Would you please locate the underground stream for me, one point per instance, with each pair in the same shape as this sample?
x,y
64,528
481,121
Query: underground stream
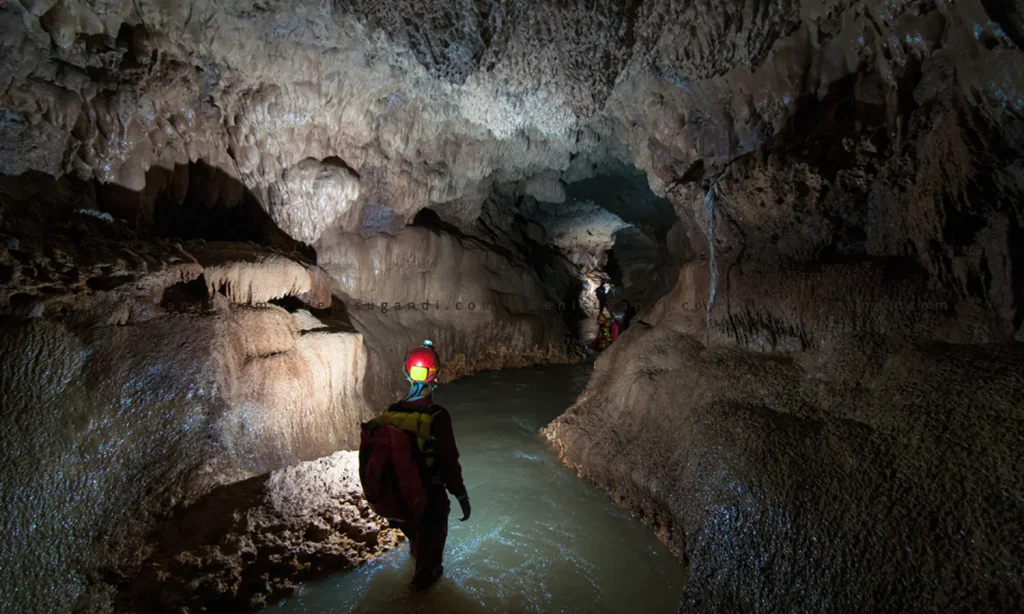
x,y
540,539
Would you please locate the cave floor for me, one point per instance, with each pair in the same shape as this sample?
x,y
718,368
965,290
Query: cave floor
x,y
540,539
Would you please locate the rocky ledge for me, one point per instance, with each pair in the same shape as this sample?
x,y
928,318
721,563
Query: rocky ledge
x,y
249,543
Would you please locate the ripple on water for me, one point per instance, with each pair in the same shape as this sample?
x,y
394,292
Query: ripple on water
x,y
540,539
530,457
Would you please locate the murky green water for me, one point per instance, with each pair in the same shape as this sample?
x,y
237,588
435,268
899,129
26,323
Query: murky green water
x,y
540,539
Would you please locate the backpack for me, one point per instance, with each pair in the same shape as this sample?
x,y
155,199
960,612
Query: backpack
x,y
394,459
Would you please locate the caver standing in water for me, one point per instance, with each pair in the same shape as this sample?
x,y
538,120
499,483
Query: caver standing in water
x,y
417,468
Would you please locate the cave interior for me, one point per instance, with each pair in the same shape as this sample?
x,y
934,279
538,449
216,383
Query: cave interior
x,y
225,223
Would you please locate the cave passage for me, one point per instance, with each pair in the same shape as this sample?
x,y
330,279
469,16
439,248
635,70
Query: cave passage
x,y
539,540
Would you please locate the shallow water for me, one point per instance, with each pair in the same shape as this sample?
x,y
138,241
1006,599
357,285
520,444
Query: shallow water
x,y
540,539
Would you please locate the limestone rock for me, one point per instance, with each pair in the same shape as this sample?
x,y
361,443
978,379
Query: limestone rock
x,y
856,473
545,189
311,197
251,542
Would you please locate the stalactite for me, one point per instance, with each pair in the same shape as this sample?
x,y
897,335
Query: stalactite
x,y
257,283
709,208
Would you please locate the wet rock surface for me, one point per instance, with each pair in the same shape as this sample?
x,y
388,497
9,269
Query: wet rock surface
x,y
244,545
876,474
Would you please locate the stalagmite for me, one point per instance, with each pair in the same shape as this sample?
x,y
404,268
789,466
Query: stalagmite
x,y
709,211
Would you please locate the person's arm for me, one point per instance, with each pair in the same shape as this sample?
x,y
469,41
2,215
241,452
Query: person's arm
x,y
448,460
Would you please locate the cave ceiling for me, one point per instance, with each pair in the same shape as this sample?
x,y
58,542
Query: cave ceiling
x,y
333,113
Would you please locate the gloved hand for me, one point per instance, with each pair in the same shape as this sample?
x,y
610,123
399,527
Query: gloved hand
x,y
464,504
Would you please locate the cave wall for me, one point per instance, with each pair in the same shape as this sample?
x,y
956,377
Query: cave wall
x,y
864,134
877,474
145,375
138,374
117,424
482,306
822,415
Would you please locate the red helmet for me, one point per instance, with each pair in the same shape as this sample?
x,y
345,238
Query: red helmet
x,y
422,363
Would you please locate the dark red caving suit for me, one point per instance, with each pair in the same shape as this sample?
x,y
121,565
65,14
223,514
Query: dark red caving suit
x,y
428,535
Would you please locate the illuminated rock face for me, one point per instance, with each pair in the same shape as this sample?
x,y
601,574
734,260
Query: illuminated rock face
x,y
140,373
828,130
250,542
147,379
836,191
481,309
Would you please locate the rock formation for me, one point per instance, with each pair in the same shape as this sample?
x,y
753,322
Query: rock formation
x,y
810,418
145,375
201,200
875,473
472,300
246,543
